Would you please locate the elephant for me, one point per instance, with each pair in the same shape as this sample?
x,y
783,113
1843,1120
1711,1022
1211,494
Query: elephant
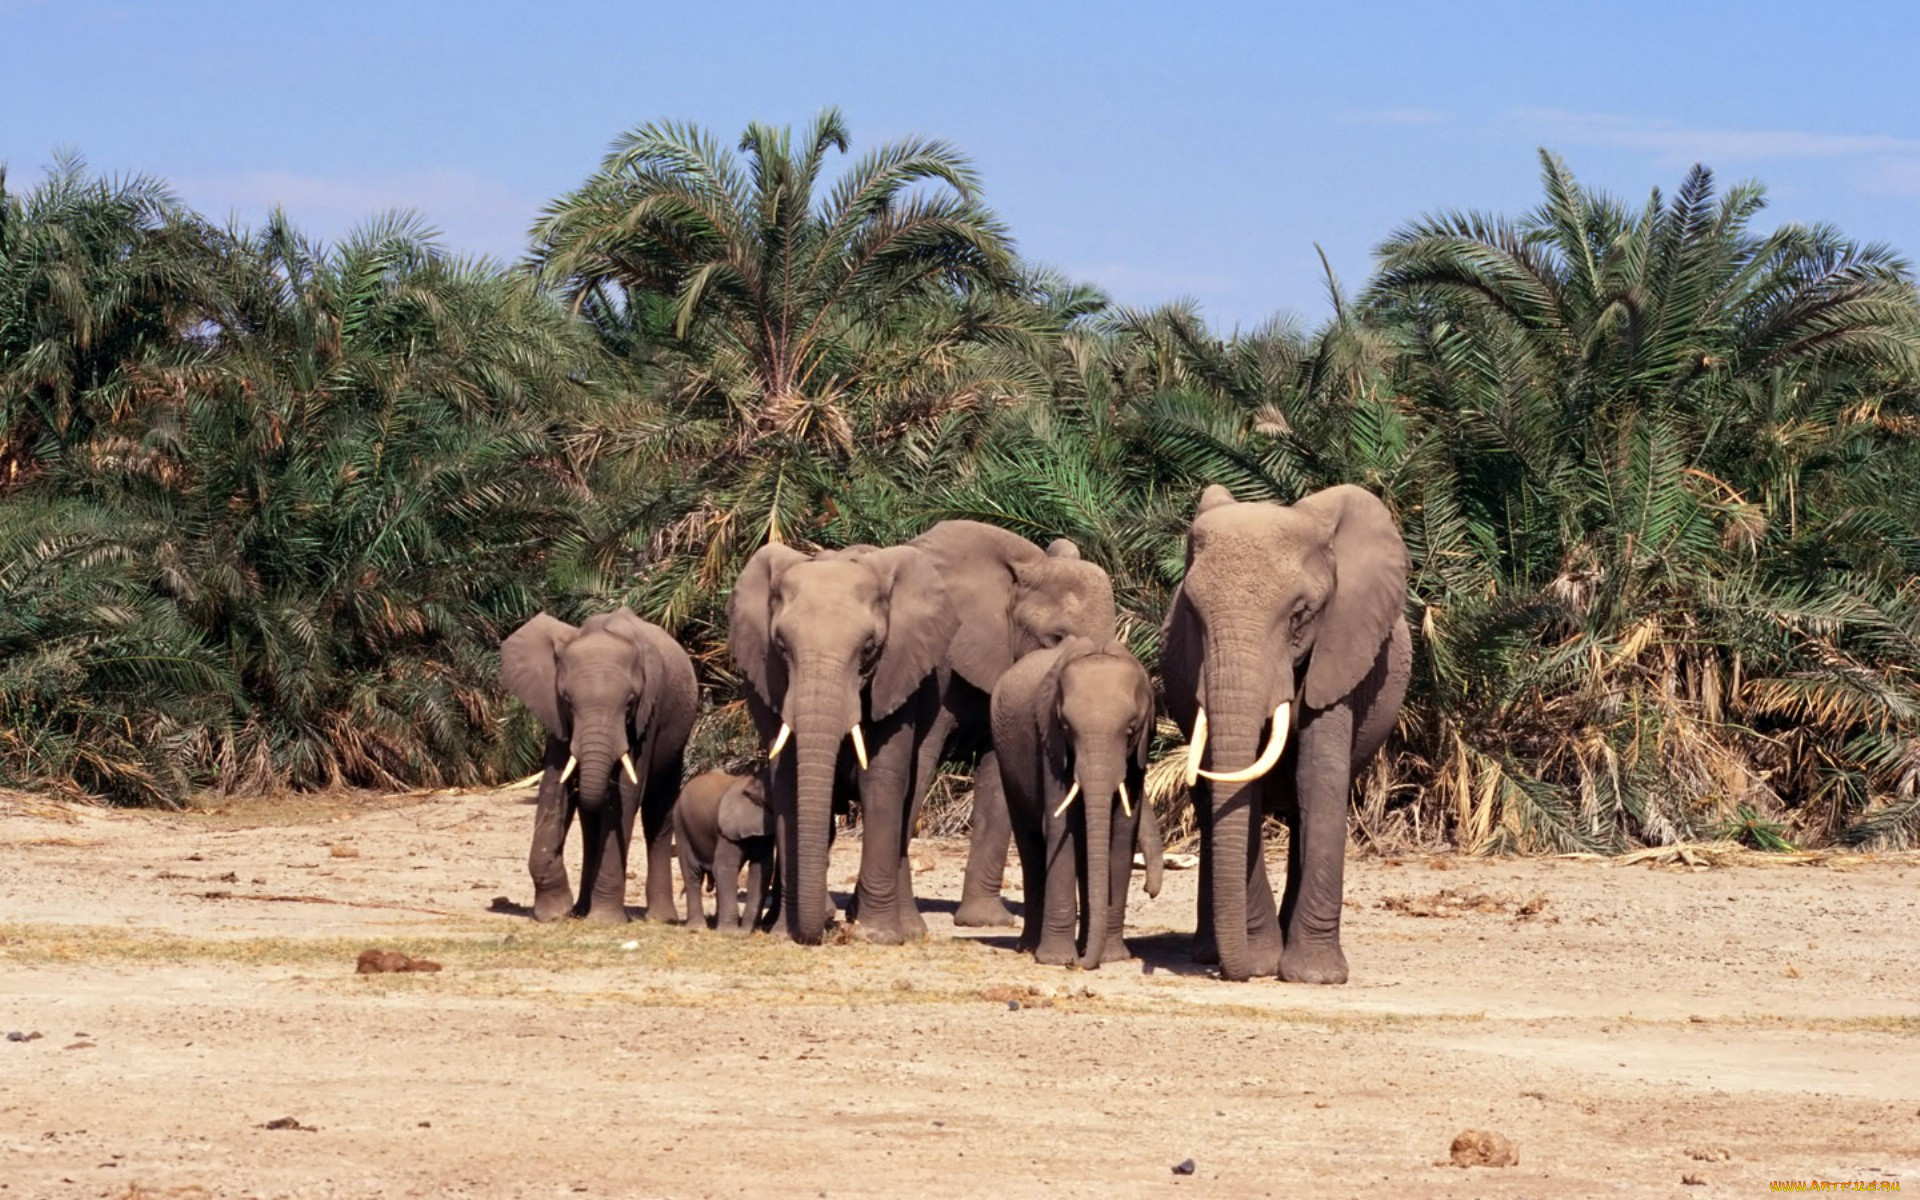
x,y
1287,616
618,697
1011,598
1073,722
842,651
721,822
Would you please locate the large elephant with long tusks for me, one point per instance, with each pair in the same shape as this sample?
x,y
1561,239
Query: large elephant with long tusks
x,y
1286,657
842,652
618,697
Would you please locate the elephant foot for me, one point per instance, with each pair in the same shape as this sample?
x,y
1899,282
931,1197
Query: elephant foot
x,y
552,906
983,912
737,931
607,914
664,914
878,935
1056,954
1116,951
1318,962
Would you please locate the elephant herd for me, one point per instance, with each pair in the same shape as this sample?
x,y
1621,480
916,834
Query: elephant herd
x,y
1285,656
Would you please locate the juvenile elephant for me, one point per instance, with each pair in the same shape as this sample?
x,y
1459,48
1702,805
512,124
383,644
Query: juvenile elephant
x,y
720,822
1073,723
842,653
618,698
1288,617
1010,598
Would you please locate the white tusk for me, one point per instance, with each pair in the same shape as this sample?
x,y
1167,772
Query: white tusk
x,y
626,760
567,772
780,742
1071,793
859,746
1275,744
1197,746
1126,803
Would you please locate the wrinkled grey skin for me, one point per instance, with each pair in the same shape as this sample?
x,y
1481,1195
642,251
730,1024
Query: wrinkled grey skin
x,y
721,822
1303,603
1081,711
615,685
1011,598
826,640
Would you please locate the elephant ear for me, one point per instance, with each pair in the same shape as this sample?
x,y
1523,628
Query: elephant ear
x,y
1143,740
1063,548
920,625
741,816
977,562
1050,729
1369,593
750,622
1180,652
528,668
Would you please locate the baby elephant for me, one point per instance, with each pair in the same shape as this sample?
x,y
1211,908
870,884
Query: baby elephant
x,y
1071,725
721,821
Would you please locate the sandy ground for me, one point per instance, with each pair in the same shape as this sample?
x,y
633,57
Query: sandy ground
x,y
1627,1027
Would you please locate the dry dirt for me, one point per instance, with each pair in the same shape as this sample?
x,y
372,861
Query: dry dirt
x,y
204,1032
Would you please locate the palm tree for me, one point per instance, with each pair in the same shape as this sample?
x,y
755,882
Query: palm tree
x,y
1618,643
792,334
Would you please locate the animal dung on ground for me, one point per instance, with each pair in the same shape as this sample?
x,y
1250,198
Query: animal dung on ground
x,y
1482,1148
1183,1167
376,962
288,1123
1452,902
17,1036
342,850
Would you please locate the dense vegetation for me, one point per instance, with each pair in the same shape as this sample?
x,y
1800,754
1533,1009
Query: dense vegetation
x,y
266,507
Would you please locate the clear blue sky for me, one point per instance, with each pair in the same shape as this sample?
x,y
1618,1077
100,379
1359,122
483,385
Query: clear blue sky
x,y
1159,150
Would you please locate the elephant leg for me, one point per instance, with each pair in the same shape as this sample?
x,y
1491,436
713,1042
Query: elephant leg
x,y
887,913
1205,948
690,886
546,860
1119,880
1316,855
1032,844
992,831
726,886
1263,920
757,873
655,802
606,896
1061,907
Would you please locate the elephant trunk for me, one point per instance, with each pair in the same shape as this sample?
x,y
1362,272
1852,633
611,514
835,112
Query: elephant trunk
x,y
1238,697
822,717
598,748
1099,779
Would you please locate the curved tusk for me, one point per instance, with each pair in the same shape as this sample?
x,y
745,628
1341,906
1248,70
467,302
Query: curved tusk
x,y
780,742
626,760
859,746
1071,793
1126,802
1275,744
567,772
1197,746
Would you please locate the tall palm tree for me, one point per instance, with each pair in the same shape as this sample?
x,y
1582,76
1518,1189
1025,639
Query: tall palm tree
x,y
792,332
1617,644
